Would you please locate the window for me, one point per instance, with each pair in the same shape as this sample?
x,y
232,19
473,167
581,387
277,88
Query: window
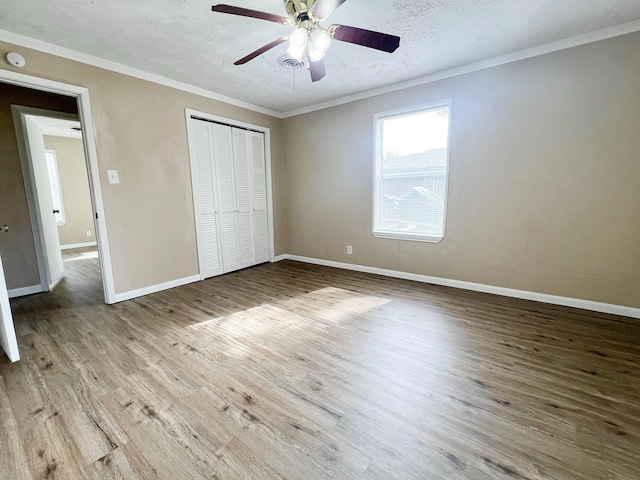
x,y
410,174
56,190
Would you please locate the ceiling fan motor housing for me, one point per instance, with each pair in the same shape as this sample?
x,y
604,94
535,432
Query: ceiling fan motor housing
x,y
297,9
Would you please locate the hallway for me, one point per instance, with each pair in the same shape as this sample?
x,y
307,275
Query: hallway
x,y
81,286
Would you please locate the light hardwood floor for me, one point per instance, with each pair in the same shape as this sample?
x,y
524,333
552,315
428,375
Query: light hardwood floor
x,y
295,371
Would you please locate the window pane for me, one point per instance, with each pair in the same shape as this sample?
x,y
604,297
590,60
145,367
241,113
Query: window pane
x,y
412,173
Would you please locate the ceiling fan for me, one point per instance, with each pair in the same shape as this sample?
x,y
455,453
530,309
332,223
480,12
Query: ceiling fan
x,y
310,41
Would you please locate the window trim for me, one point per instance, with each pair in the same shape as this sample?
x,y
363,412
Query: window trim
x,y
62,214
377,164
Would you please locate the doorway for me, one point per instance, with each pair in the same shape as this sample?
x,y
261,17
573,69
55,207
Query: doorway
x,y
58,192
21,231
80,97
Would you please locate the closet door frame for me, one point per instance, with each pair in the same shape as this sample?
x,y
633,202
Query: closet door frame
x,y
189,114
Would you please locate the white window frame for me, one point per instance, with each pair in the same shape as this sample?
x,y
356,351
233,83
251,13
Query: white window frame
x,y
378,119
56,178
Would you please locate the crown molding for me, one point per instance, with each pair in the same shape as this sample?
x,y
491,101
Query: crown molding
x,y
556,46
598,35
41,46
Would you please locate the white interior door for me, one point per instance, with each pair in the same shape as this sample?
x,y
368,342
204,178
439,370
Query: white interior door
x,y
44,201
8,339
205,201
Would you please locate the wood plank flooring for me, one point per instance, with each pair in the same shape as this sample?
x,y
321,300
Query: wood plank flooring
x,y
294,371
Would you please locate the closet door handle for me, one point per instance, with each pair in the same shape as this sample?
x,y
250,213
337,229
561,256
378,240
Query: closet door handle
x,y
56,211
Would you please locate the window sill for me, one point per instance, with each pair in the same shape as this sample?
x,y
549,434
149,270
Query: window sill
x,y
409,237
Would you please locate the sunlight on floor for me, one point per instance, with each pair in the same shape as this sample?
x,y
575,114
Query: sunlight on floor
x,y
83,256
326,308
335,305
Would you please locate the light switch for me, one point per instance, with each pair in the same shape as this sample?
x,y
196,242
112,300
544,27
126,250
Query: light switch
x,y
113,176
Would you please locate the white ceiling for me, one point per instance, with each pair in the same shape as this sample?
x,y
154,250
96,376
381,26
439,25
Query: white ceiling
x,y
184,41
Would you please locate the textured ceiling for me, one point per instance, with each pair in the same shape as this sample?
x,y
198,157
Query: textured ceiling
x,y
183,40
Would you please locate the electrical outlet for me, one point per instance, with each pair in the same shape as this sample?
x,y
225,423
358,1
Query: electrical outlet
x,y
88,233
349,250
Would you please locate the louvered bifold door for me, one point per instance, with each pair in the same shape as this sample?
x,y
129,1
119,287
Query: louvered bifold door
x,y
244,217
259,197
207,219
223,152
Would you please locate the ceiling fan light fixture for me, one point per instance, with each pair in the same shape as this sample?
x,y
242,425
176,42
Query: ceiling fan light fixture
x,y
314,54
296,51
299,37
320,40
298,42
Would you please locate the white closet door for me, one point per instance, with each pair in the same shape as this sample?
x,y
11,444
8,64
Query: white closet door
x,y
206,210
244,217
223,152
230,194
259,197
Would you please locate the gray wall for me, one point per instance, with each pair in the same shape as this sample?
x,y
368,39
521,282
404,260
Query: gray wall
x,y
544,187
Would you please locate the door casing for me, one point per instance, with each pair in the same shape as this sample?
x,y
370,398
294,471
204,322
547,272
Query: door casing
x,y
89,141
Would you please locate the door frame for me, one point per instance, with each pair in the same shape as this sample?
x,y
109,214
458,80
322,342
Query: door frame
x,y
81,94
266,131
19,113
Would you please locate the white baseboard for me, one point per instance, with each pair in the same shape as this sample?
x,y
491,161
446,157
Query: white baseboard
x,y
121,297
478,287
21,292
280,257
77,245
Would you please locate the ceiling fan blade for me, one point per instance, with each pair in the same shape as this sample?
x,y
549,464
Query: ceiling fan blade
x,y
324,8
260,51
366,38
245,12
317,70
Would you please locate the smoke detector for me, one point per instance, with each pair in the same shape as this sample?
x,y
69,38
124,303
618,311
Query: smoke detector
x,y
16,59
